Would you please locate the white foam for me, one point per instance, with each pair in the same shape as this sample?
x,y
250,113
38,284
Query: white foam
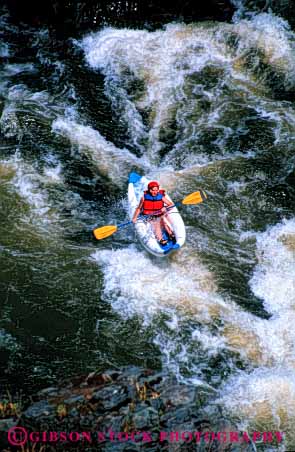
x,y
265,398
240,9
26,182
274,276
181,288
112,162
7,341
263,401
272,35
161,60
131,285
14,69
54,174
164,60
20,99
4,50
134,278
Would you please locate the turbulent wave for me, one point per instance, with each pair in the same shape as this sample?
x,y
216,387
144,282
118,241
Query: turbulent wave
x,y
111,162
193,85
199,94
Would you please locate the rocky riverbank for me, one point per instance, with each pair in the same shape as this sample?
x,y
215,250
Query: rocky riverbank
x,y
127,410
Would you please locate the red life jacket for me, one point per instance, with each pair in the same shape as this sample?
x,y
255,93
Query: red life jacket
x,y
153,204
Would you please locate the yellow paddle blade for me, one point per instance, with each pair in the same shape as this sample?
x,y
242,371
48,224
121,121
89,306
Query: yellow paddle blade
x,y
105,231
195,198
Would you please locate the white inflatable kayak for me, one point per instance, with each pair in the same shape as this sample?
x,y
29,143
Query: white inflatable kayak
x,y
137,185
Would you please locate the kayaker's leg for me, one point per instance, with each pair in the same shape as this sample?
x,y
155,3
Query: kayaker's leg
x,y
157,227
166,225
168,228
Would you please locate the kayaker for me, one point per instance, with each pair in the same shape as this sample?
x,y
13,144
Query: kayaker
x,y
153,204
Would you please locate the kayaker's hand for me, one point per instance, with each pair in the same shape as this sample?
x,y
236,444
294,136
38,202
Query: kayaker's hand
x,y
163,210
134,220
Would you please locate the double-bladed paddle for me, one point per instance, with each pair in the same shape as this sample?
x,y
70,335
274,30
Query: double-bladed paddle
x,y
106,231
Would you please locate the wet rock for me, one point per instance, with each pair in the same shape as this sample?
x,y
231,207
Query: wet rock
x,y
74,400
157,404
172,418
110,397
99,379
179,394
145,418
48,391
114,423
132,400
122,447
6,424
153,379
74,412
39,410
131,374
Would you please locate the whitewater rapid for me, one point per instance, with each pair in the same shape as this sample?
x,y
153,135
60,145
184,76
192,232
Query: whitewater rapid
x,y
202,106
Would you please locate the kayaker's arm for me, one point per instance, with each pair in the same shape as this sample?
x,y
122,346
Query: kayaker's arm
x,y
167,203
137,211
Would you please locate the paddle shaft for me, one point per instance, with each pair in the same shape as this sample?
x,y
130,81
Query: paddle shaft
x,y
106,231
141,217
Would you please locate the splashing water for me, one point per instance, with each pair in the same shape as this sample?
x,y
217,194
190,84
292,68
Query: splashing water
x,y
205,106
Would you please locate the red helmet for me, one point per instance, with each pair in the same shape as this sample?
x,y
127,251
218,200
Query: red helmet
x,y
152,184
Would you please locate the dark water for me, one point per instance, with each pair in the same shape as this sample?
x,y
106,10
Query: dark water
x,y
197,106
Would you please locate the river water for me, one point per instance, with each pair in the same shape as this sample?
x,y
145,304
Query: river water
x,y
204,106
